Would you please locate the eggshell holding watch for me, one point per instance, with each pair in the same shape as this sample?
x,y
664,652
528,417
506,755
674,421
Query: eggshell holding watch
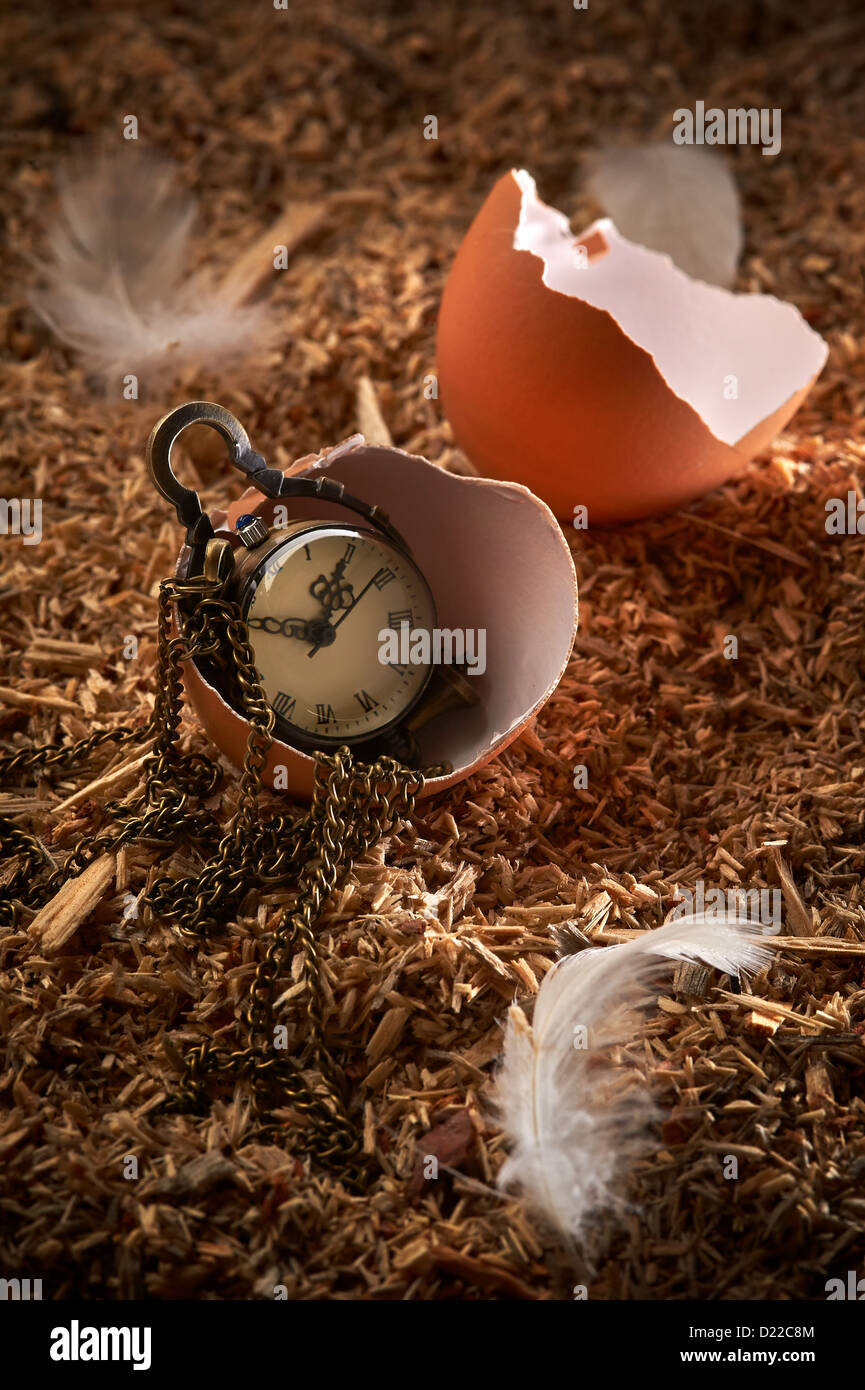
x,y
494,557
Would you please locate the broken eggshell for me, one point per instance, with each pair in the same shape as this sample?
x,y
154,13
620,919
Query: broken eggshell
x,y
606,377
494,558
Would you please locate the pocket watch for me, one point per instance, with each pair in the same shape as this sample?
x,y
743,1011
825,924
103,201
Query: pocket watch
x,y
319,598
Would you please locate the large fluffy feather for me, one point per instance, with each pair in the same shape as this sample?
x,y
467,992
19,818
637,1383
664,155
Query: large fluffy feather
x,y
115,284
572,1117
680,199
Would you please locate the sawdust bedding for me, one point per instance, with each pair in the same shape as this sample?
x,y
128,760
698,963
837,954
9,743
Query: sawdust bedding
x,y
746,771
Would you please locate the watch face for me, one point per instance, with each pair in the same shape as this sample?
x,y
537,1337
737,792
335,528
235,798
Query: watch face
x,y
315,609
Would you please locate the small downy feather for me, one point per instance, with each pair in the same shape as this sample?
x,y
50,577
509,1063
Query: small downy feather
x,y
115,284
679,199
574,1119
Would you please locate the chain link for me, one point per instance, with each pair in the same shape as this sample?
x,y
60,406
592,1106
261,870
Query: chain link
x,y
352,806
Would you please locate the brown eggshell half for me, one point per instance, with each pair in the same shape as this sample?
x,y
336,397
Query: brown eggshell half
x,y
603,378
494,558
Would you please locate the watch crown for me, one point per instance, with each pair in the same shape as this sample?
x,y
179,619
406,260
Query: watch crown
x,y
251,530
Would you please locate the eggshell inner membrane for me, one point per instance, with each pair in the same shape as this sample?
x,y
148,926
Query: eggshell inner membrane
x,y
699,335
494,558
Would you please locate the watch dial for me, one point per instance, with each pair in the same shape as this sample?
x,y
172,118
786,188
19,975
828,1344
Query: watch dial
x,y
315,610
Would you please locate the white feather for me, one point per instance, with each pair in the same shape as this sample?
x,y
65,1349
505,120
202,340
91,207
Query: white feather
x,y
679,199
573,1119
115,285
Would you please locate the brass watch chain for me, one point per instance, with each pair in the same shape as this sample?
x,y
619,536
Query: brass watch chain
x,y
353,804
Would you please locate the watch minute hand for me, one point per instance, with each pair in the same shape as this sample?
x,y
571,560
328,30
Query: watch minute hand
x,y
286,627
354,602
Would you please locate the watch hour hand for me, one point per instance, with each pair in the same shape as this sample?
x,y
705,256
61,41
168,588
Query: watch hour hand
x,y
330,628
332,593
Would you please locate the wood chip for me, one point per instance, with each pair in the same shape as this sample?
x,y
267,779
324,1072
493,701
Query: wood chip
x,y
256,267
797,913
370,420
24,700
387,1034
761,1023
72,904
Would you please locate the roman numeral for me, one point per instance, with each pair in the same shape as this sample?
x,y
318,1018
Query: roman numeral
x,y
325,714
366,701
349,551
383,577
396,620
306,552
284,704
